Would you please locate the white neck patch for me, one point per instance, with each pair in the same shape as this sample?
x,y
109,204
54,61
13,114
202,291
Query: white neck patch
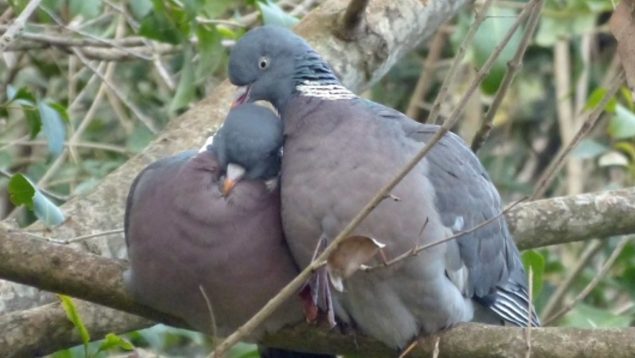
x,y
327,92
208,142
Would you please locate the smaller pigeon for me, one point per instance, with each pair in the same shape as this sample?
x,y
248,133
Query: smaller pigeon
x,y
203,230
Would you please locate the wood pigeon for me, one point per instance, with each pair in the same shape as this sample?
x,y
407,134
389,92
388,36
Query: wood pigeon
x,y
339,150
203,230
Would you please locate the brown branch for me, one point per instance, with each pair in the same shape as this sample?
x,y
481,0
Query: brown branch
x,y
417,249
573,218
13,31
76,273
352,19
69,271
513,67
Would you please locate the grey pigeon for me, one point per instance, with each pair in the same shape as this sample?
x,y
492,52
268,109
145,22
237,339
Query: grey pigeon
x,y
188,232
339,150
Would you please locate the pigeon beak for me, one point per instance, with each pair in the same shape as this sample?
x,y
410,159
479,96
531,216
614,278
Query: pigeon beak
x,y
242,95
234,174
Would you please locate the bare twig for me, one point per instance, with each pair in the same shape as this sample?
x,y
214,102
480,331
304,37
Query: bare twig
x,y
590,250
138,113
13,31
210,310
90,145
352,19
458,58
299,280
590,122
65,241
423,84
594,282
530,311
417,250
513,66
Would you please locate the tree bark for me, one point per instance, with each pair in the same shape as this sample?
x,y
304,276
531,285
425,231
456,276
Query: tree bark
x,y
98,279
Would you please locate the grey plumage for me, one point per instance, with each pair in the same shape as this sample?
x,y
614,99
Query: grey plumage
x,y
341,149
183,235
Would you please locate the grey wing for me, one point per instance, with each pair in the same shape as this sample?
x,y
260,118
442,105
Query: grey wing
x,y
465,198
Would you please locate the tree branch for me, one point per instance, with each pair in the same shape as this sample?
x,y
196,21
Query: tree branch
x,y
573,218
76,273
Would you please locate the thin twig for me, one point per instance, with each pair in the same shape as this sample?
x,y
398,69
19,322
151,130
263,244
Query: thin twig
x,y
14,30
598,277
513,66
590,250
417,250
382,194
210,310
530,311
423,84
124,99
89,145
458,58
591,121
98,39
71,240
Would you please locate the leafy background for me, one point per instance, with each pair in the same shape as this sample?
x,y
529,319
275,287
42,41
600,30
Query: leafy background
x,y
62,129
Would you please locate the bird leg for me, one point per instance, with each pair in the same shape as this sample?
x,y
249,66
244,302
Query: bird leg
x,y
316,293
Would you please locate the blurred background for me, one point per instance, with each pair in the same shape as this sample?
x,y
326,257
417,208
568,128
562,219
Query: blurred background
x,y
69,117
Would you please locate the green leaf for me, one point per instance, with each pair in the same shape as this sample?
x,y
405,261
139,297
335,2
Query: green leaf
x,y
45,210
21,190
272,14
33,119
140,8
186,89
86,8
534,260
588,149
158,25
71,312
488,37
596,97
210,52
622,124
22,96
244,350
54,129
114,341
61,109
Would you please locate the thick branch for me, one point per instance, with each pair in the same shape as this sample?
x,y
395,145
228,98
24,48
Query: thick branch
x,y
67,270
573,218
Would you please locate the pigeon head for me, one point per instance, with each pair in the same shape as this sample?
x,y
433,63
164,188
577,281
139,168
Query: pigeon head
x,y
248,145
270,62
